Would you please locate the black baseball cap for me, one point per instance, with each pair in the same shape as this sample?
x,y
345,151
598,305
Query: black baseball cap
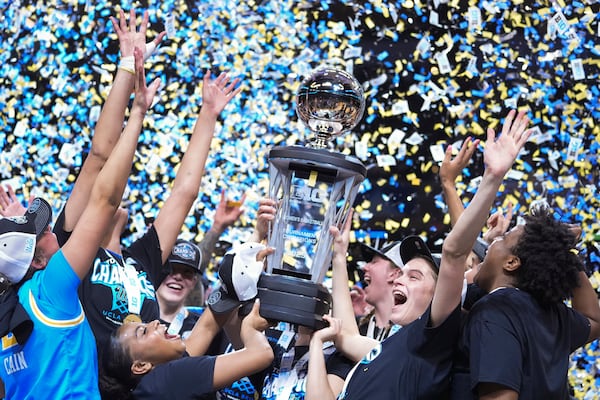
x,y
360,251
413,246
186,253
239,273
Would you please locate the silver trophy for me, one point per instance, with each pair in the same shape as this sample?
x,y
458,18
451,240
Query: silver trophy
x,y
315,188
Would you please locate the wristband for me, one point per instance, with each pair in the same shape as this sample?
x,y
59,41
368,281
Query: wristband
x,y
127,63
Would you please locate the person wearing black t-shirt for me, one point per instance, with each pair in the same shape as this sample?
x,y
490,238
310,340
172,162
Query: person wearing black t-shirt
x,y
517,339
415,362
121,285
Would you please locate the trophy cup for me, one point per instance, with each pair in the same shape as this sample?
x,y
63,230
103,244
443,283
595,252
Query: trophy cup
x,y
315,189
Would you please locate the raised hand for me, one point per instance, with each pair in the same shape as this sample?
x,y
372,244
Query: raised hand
x,y
144,95
330,332
501,151
341,239
451,168
265,215
359,304
227,212
254,320
130,37
218,92
10,206
498,223
264,253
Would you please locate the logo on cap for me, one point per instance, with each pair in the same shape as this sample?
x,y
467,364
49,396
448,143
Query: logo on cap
x,y
184,250
214,298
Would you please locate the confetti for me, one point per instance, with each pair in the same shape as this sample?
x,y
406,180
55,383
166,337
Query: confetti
x,y
433,73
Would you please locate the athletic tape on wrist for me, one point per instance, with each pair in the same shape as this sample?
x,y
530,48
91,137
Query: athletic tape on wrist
x,y
127,63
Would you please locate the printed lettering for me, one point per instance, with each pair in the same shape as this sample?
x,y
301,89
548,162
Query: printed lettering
x,y
15,362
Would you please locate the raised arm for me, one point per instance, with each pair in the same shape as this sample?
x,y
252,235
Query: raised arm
x,y
215,96
349,341
318,383
204,331
109,186
110,123
265,215
340,293
585,298
256,355
450,170
225,216
499,155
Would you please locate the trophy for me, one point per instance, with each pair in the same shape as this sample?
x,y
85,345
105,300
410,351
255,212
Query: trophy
x,y
315,188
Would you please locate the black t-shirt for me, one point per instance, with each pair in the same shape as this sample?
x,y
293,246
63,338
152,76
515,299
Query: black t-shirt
x,y
413,363
273,383
185,378
509,339
102,292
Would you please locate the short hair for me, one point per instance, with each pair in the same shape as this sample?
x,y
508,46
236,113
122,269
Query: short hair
x,y
550,265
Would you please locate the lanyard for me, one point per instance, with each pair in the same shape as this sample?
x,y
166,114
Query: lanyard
x,y
375,333
133,288
291,376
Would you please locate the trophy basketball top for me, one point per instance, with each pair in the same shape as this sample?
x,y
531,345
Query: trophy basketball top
x,y
329,102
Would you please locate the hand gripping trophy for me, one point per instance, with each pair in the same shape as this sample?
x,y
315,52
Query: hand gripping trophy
x,y
315,189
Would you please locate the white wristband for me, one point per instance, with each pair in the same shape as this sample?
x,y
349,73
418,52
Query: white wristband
x,y
127,63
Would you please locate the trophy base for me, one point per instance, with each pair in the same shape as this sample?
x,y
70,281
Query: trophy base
x,y
294,300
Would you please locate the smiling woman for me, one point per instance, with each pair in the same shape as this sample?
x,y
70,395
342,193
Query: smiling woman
x,y
144,361
416,361
185,263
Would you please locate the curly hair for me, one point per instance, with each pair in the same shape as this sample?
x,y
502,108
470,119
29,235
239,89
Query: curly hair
x,y
116,381
549,262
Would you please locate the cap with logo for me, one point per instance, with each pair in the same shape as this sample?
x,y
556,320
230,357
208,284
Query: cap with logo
x,y
18,236
413,246
360,251
239,273
186,253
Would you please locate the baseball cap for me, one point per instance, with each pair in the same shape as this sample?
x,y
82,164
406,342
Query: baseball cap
x,y
239,273
18,236
363,252
186,253
413,246
480,248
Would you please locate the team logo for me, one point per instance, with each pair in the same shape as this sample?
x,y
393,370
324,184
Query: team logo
x,y
214,298
185,251
35,204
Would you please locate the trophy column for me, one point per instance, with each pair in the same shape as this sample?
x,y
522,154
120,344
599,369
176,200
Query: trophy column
x,y
315,189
